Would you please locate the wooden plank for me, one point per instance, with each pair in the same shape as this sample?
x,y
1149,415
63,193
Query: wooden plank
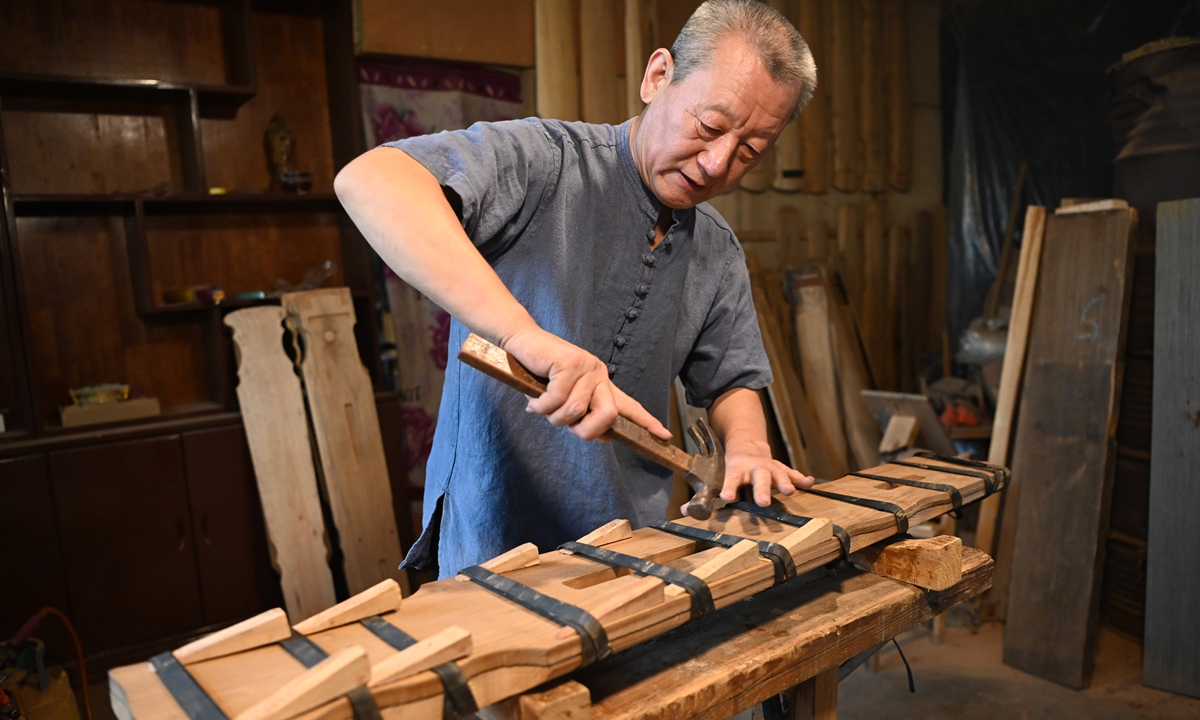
x,y
817,238
862,432
1172,629
875,107
1010,380
277,431
872,321
793,248
920,286
498,33
850,256
814,121
939,275
1064,446
557,57
784,391
931,563
515,650
341,404
601,92
847,149
641,36
899,240
815,338
1091,206
898,59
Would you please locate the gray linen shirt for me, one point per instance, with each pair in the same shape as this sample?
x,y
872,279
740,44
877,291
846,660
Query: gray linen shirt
x,y
562,215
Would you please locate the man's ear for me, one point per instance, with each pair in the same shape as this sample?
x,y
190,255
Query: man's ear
x,y
658,74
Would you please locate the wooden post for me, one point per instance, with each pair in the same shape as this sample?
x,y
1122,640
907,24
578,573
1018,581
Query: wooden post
x,y
847,151
814,121
816,698
600,91
898,61
874,108
641,37
557,58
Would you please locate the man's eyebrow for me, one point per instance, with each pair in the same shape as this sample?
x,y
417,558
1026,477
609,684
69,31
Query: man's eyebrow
x,y
729,115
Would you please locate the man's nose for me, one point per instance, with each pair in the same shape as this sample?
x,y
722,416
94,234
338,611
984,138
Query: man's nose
x,y
717,155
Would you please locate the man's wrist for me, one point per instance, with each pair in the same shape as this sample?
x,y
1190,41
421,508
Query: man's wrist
x,y
747,446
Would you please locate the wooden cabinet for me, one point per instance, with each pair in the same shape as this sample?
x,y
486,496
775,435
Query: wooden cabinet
x,y
127,543
31,572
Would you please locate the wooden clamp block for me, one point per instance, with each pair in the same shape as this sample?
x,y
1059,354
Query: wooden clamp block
x,y
329,679
814,532
262,629
737,558
522,556
901,432
646,592
569,700
933,564
609,532
450,644
376,600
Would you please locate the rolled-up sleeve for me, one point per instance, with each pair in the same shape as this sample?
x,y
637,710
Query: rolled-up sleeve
x,y
500,172
729,352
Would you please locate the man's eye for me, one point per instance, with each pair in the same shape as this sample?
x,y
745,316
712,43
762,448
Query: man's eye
x,y
708,130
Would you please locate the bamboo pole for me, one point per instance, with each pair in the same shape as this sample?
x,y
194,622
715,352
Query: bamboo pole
x,y
899,87
847,152
814,121
557,58
874,104
600,91
641,35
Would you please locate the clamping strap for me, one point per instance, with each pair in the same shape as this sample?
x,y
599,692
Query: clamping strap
x,y
192,698
776,512
998,473
955,495
880,505
702,601
593,639
308,654
785,568
457,698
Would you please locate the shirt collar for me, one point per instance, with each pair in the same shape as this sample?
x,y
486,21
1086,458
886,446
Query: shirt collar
x,y
646,199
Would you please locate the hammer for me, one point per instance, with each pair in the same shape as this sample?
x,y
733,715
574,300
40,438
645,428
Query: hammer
x,y
704,472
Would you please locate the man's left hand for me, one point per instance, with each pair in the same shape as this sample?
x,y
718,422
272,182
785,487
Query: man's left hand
x,y
763,474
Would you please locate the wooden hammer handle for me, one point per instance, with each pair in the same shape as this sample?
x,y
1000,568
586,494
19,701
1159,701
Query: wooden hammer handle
x,y
494,361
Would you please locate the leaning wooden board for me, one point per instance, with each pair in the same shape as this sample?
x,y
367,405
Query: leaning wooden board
x,y
515,649
1064,452
1171,659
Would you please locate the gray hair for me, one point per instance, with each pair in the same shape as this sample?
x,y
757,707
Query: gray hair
x,y
780,47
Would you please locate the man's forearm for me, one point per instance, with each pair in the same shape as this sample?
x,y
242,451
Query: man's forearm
x,y
737,418
402,211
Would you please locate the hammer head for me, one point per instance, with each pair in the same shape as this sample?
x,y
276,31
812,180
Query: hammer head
x,y
707,474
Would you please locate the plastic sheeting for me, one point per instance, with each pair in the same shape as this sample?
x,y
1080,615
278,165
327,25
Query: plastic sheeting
x,y
1029,83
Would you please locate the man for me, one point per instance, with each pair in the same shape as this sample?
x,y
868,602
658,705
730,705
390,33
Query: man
x,y
587,252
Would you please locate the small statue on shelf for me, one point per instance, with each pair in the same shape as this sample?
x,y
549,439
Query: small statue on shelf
x,y
280,147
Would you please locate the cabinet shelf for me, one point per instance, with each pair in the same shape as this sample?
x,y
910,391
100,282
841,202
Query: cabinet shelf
x,y
210,99
185,204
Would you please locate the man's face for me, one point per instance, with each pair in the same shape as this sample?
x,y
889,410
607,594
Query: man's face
x,y
698,137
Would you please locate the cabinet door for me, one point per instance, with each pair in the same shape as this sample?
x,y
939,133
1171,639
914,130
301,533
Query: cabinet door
x,y
127,541
31,571
236,577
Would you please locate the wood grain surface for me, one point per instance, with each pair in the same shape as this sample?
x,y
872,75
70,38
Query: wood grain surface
x,y
814,121
1064,447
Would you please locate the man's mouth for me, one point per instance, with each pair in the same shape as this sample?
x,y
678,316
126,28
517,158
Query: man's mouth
x,y
690,183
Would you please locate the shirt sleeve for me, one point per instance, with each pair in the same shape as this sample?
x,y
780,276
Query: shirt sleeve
x,y
500,172
729,352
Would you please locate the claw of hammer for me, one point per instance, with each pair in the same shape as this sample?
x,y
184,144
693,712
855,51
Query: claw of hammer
x,y
707,472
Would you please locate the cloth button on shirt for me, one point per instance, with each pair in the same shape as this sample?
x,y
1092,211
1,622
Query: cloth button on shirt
x,y
632,313
560,212
620,341
648,259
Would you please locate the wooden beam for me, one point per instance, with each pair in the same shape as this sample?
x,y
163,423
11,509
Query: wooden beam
x,y
814,121
376,600
273,415
557,56
934,564
816,697
898,60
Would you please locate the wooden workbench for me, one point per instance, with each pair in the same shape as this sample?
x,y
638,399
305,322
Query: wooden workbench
x,y
794,635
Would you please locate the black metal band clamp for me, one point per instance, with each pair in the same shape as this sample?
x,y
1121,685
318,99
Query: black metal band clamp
x,y
785,568
776,513
880,505
458,698
702,601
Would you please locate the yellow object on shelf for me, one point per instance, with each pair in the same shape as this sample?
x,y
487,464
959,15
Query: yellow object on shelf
x,y
100,394
76,415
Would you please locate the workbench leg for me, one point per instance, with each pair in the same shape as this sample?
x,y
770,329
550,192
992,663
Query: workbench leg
x,y
568,700
816,698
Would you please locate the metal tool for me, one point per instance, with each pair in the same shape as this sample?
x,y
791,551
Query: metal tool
x,y
705,472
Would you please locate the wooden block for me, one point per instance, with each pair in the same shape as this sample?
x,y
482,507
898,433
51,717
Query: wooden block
x,y
933,564
737,558
847,148
1092,206
522,556
814,121
816,698
345,423
898,78
262,629
569,700
602,99
646,592
378,600
1170,660
609,532
1010,383
873,99
1065,437
450,644
557,59
332,678
901,432
814,532
276,424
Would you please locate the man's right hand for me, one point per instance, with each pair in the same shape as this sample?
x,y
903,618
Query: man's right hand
x,y
580,394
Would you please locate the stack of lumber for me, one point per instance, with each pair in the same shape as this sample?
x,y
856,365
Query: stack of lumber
x,y
458,628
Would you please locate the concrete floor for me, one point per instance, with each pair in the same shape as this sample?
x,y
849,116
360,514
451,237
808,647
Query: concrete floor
x,y
964,677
